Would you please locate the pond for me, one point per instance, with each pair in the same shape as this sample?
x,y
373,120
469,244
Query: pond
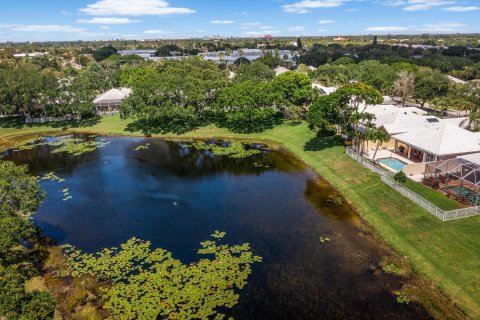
x,y
176,197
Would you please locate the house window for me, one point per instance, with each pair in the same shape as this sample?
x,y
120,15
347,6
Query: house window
x,y
429,157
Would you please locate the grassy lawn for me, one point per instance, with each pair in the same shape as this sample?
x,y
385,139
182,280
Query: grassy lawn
x,y
435,197
447,253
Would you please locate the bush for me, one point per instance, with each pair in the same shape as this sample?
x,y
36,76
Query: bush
x,y
16,303
40,306
400,177
12,293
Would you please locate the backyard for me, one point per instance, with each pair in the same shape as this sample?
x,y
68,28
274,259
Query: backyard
x,y
445,252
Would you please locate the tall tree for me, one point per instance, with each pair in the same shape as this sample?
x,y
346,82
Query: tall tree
x,y
346,109
428,85
404,87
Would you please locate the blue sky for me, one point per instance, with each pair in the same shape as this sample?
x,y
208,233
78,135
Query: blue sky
x,y
39,20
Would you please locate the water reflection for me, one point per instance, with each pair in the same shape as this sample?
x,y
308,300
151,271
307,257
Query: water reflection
x,y
176,197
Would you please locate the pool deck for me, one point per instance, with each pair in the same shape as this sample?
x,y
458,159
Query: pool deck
x,y
381,154
387,154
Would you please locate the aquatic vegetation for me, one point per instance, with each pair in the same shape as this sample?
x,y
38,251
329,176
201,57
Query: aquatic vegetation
x,y
218,234
143,147
29,145
335,199
402,297
76,146
395,265
259,165
234,150
73,146
51,177
151,284
324,239
66,194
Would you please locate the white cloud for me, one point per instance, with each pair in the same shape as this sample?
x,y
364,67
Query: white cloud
x,y
461,9
259,33
387,29
153,32
296,29
251,24
110,20
133,8
222,21
104,27
392,3
442,27
326,21
305,6
417,5
51,28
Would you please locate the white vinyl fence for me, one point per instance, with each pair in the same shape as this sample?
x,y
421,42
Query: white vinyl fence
x,y
52,119
436,211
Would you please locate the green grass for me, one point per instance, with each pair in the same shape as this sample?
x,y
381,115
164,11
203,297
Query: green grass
x,y
447,253
435,197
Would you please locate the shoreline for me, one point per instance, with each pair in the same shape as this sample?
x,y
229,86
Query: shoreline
x,y
420,277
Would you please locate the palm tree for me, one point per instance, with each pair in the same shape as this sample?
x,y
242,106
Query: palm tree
x,y
228,52
221,56
380,137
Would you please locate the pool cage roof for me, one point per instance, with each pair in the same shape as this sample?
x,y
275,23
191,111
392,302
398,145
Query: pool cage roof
x,y
458,168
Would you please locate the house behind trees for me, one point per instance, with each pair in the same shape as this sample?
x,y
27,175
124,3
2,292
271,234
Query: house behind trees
x,y
109,102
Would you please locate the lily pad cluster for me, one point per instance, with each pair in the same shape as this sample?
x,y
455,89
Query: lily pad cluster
x,y
74,146
235,150
142,147
150,284
66,194
324,239
51,176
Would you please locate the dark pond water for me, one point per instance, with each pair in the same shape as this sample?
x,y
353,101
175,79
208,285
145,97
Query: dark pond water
x,y
177,197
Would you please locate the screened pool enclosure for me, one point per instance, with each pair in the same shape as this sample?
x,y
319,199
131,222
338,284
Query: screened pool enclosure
x,y
457,177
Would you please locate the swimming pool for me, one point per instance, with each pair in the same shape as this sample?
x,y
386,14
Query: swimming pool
x,y
393,163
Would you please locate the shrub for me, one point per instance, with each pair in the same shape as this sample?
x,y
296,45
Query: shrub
x,y
40,306
400,177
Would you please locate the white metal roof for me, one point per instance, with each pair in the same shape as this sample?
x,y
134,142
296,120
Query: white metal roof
x,y
473,158
398,120
444,139
456,80
113,94
280,70
459,122
324,90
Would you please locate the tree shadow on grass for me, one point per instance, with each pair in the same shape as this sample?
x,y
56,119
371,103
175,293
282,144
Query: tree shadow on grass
x,y
248,127
19,123
319,143
155,127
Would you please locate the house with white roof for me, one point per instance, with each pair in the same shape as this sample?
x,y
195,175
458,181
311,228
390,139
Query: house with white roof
x,y
109,102
30,55
439,142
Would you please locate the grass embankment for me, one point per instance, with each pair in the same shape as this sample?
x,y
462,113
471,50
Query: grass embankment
x,y
435,197
447,253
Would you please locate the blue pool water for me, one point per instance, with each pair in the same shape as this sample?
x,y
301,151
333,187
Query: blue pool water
x,y
393,163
